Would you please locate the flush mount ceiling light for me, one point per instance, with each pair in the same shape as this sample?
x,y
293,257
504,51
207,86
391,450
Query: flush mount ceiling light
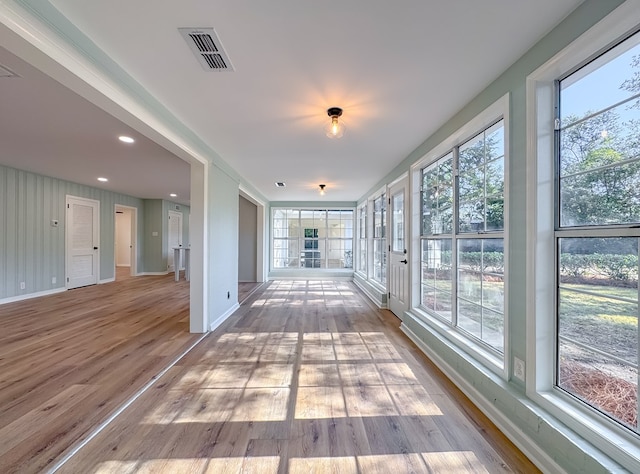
x,y
126,139
173,195
322,186
335,128
102,180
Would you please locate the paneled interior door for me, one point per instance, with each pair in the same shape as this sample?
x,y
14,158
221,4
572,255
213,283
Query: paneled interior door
x,y
82,241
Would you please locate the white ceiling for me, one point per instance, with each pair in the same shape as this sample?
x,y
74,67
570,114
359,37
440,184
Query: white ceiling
x,y
48,129
398,69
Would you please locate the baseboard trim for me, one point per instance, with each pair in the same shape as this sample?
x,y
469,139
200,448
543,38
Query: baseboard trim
x,y
13,299
539,457
107,280
152,273
369,294
223,317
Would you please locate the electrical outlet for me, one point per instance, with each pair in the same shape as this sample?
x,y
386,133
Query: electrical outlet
x,y
22,285
518,368
53,280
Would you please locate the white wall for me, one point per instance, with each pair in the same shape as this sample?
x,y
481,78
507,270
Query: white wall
x,y
123,238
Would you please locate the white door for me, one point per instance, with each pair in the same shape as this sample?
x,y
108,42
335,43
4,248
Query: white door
x,y
82,242
175,237
398,256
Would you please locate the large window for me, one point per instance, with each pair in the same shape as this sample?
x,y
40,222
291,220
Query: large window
x,y
380,239
596,232
462,237
362,239
312,238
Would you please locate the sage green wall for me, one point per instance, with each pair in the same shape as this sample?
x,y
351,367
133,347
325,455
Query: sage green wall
x,y
31,250
512,82
156,220
153,237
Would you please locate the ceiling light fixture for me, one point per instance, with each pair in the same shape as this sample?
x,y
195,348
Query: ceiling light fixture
x,y
335,128
173,195
102,180
322,186
126,139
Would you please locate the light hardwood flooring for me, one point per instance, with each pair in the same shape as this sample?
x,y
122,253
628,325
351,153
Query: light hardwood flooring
x,y
68,360
306,377
246,289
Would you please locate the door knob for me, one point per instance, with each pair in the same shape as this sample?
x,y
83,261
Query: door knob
x,y
403,261
95,248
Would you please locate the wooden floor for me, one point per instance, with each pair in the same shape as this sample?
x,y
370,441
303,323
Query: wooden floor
x,y
246,289
69,360
306,377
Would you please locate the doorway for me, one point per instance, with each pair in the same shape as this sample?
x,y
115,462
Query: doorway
x,y
126,237
174,239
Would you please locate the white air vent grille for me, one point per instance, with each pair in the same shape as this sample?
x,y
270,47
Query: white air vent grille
x,y
206,46
6,72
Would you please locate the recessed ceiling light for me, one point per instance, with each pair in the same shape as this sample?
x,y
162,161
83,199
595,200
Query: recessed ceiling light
x,y
173,195
126,139
104,180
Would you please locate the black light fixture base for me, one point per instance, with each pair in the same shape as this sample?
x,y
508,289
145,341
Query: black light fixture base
x,y
334,111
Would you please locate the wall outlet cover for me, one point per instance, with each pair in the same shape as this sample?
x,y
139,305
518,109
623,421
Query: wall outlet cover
x,y
518,368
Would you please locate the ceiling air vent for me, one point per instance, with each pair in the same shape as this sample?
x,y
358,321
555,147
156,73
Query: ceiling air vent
x,y
206,45
6,72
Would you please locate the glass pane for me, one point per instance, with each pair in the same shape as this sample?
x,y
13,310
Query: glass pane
x,y
481,181
380,260
599,146
481,289
436,276
611,76
437,197
471,154
471,216
598,323
362,263
286,253
600,197
397,224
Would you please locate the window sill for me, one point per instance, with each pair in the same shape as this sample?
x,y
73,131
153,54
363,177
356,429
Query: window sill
x,y
613,440
477,351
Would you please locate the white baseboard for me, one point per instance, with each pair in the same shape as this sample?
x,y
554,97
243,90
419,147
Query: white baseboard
x,y
13,299
152,273
369,294
107,280
223,317
538,456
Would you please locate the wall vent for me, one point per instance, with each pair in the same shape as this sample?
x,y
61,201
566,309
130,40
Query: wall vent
x,y
6,72
206,46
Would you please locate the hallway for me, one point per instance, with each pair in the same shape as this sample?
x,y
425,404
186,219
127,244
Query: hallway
x,y
304,377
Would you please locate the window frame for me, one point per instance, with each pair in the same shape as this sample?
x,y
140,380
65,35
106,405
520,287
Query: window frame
x,y
491,358
362,239
617,442
383,197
